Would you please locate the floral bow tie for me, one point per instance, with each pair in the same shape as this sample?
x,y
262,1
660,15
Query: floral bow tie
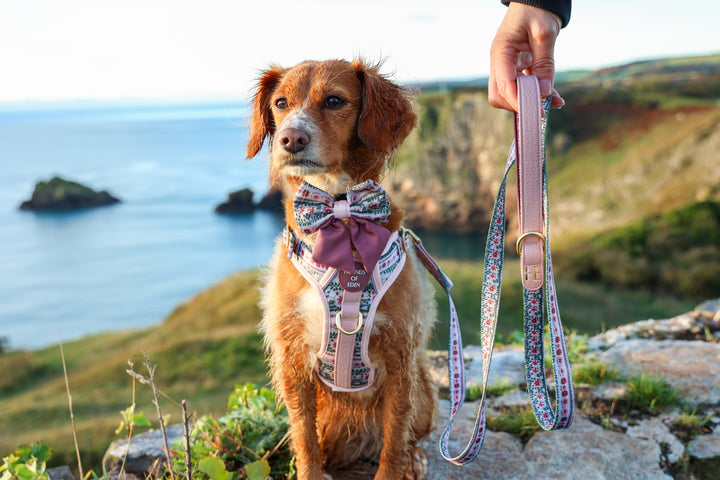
x,y
366,207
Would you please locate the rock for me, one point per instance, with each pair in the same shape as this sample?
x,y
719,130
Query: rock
x,y
272,201
146,455
691,366
507,366
60,473
656,430
587,451
704,454
237,202
63,195
609,390
694,325
584,451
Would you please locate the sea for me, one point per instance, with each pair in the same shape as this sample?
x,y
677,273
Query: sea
x,y
127,266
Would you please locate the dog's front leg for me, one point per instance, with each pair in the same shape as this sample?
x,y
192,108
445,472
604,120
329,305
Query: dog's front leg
x,y
300,397
397,412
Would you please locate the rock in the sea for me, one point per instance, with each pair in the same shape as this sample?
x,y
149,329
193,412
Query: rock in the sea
x,y
63,195
237,202
271,202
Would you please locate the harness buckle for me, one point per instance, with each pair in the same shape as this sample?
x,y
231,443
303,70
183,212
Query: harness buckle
x,y
338,324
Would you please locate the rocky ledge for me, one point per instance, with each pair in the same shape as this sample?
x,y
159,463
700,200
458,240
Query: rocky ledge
x,y
63,195
606,440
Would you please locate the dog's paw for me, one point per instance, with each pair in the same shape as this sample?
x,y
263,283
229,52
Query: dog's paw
x,y
327,476
418,465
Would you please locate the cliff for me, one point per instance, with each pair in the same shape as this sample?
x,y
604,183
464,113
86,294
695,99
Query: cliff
x,y
632,141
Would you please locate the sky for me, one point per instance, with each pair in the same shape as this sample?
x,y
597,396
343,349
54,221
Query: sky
x,y
214,49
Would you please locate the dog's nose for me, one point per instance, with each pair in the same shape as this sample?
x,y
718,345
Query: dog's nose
x,y
293,139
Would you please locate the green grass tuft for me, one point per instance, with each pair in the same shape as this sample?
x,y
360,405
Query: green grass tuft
x,y
650,393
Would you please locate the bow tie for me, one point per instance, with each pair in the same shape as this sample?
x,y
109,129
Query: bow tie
x,y
366,207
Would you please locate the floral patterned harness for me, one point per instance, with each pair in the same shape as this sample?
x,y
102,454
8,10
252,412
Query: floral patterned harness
x,y
350,302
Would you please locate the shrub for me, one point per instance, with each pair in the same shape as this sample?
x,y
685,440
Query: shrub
x,y
27,463
250,442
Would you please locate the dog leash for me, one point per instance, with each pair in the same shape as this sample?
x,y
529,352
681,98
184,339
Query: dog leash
x,y
539,295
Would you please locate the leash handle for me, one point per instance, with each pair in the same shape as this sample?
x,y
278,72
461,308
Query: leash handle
x,y
529,163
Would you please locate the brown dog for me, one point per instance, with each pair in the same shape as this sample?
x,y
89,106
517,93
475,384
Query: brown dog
x,y
335,124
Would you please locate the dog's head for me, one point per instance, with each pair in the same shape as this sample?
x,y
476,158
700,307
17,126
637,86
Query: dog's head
x,y
334,123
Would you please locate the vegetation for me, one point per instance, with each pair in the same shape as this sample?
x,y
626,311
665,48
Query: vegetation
x,y
518,421
27,463
649,393
676,252
204,347
593,373
250,441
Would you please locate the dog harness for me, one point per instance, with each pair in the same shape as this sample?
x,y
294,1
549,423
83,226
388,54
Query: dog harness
x,y
351,266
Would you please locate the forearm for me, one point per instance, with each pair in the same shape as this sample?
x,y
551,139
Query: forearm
x,y
561,8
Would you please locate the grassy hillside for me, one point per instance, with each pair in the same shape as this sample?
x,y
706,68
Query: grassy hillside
x,y
202,349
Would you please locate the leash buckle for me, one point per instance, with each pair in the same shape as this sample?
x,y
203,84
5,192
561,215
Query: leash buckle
x,y
338,324
518,244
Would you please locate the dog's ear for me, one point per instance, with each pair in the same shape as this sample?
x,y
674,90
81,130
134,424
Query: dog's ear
x,y
261,120
387,115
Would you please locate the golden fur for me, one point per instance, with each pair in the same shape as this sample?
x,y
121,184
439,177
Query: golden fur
x,y
336,124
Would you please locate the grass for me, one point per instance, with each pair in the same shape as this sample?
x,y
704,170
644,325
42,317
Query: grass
x,y
690,424
474,392
517,421
593,373
650,393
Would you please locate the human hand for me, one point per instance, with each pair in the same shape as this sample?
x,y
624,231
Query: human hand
x,y
524,43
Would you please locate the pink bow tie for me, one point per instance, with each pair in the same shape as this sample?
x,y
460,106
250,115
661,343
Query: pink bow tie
x,y
366,207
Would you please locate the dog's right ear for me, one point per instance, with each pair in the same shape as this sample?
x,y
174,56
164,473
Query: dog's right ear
x,y
261,120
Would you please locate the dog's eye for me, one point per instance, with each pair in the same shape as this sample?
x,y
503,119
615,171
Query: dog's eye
x,y
281,103
334,102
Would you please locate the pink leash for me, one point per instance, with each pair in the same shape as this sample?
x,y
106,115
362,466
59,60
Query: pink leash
x,y
540,300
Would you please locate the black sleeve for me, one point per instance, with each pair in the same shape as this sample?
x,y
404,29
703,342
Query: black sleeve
x,y
561,8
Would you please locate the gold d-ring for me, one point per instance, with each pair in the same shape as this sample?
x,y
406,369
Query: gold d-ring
x,y
518,244
357,328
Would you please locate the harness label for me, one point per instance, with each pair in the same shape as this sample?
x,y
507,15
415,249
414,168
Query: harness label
x,y
356,281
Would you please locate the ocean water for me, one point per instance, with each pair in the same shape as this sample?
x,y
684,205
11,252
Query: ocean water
x,y
129,265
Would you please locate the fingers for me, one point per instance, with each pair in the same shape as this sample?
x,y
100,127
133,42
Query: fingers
x,y
525,42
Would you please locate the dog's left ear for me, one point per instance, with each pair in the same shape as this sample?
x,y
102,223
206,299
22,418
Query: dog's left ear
x,y
387,116
261,121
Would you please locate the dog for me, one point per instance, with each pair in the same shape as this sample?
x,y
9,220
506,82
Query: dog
x,y
336,124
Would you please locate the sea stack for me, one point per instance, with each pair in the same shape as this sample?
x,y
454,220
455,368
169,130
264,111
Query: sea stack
x,y
63,195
